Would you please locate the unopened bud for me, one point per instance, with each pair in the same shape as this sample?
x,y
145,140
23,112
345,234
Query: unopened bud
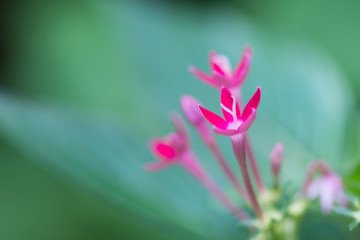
x,y
276,158
190,108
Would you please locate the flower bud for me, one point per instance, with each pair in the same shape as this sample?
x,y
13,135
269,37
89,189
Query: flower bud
x,y
190,108
276,158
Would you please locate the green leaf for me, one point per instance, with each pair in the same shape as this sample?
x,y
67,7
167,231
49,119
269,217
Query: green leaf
x,y
354,224
318,226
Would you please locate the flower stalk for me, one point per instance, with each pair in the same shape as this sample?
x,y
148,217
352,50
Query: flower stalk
x,y
192,165
226,168
253,165
239,148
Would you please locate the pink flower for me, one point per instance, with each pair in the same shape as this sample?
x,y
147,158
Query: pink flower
x,y
170,149
327,187
329,190
234,122
221,72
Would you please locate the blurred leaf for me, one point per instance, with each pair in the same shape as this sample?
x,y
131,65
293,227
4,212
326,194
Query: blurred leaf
x,y
304,105
36,205
330,227
354,224
354,214
353,179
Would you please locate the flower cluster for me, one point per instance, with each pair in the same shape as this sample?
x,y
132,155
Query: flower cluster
x,y
236,121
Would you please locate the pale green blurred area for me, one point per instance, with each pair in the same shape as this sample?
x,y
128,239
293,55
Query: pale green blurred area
x,y
86,83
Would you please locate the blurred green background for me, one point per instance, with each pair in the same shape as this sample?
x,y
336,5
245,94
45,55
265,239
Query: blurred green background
x,y
85,84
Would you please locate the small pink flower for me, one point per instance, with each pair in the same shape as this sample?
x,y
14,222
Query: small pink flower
x,y
234,122
328,186
221,72
170,149
329,190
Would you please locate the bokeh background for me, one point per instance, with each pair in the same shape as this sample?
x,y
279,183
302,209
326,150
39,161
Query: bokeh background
x,y
85,84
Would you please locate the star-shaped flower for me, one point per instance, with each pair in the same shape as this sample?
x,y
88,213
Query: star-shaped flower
x,y
234,121
323,183
329,189
221,72
170,149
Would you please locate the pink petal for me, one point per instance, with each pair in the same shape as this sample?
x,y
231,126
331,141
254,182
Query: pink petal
x,y
228,133
226,99
156,166
218,69
327,195
219,64
253,103
212,56
313,191
213,118
249,120
162,149
243,67
190,108
204,77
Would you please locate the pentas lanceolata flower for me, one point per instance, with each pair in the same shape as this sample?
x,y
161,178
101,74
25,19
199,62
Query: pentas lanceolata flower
x,y
234,121
221,73
327,186
271,221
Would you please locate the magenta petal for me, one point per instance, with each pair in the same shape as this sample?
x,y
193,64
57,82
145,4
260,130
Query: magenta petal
x,y
218,69
228,133
213,118
226,99
156,166
204,77
219,64
253,103
243,67
162,149
247,123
